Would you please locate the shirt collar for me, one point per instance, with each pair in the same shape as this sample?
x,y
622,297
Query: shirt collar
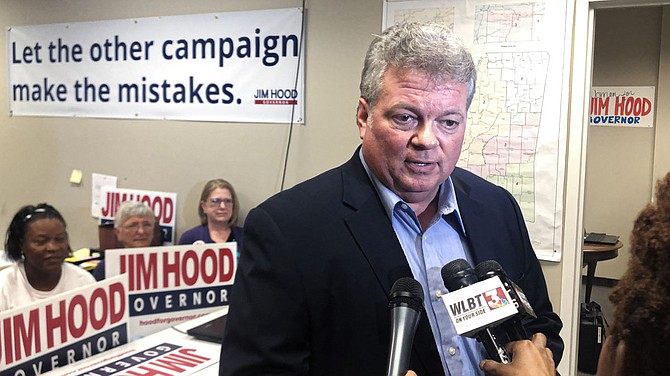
x,y
446,203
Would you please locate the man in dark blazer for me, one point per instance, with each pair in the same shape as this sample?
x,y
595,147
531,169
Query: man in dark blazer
x,y
319,260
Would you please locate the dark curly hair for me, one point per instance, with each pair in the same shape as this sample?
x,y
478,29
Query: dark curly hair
x,y
16,233
642,297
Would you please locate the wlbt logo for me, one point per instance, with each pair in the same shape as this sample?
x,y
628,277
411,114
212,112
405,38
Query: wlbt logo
x,y
495,298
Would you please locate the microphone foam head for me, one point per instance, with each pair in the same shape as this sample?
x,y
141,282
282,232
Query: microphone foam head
x,y
406,291
489,268
458,274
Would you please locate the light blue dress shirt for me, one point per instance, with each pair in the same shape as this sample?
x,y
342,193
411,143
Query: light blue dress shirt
x,y
427,251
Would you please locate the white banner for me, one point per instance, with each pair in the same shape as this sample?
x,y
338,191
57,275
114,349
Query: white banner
x,y
234,67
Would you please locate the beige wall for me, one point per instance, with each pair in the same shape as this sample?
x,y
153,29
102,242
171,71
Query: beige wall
x,y
38,153
620,161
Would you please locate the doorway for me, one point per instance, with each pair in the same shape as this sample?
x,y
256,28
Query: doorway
x,y
578,174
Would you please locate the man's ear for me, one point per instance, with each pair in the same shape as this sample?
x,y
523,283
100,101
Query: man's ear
x,y
116,232
362,115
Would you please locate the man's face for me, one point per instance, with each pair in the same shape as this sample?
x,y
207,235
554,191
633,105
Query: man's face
x,y
413,137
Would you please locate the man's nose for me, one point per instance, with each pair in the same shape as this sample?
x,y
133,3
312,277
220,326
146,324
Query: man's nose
x,y
425,137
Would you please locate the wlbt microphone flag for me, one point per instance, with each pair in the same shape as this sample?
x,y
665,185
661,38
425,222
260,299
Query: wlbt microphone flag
x,y
406,304
513,327
475,307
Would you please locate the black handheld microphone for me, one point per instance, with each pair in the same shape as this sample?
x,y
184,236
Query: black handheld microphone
x,y
458,274
513,327
406,304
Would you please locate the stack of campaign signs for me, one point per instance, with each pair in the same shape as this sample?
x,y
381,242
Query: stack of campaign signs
x,y
148,291
169,352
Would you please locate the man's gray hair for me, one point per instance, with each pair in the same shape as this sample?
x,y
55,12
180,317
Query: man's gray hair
x,y
429,48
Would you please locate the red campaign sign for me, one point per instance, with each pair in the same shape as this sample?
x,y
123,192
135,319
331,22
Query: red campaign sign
x,y
157,268
163,204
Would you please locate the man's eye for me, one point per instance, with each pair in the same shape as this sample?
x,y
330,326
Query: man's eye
x,y
449,124
404,118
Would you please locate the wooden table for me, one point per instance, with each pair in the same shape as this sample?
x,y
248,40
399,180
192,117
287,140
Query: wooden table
x,y
592,253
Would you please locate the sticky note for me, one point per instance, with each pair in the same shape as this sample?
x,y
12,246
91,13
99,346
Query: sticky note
x,y
75,177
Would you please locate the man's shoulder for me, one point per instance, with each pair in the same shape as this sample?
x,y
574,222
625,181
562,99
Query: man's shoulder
x,y
322,187
468,180
469,186
312,194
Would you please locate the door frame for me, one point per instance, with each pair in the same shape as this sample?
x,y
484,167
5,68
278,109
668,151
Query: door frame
x,y
575,174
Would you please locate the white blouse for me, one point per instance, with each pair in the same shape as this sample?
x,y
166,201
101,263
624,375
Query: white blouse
x,y
16,291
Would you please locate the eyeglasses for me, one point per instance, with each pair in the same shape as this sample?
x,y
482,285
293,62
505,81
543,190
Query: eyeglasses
x,y
218,201
135,226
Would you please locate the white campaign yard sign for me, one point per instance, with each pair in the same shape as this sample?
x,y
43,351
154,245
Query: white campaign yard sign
x,y
163,204
235,67
623,106
64,328
173,284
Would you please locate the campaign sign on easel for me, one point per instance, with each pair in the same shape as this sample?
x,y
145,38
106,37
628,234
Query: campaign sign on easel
x,y
65,328
172,284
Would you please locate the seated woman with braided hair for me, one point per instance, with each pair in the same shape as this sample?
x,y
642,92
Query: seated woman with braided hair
x,y
37,241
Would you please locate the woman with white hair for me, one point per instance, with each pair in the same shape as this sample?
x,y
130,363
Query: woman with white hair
x,y
134,228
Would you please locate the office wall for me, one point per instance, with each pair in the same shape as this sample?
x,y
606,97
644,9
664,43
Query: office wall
x,y
620,161
38,154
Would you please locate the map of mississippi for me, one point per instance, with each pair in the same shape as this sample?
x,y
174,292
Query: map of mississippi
x,y
504,122
513,136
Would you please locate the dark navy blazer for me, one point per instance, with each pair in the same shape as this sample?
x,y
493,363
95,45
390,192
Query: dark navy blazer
x,y
319,260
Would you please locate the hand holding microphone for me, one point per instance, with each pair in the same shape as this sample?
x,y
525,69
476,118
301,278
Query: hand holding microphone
x,y
406,304
531,358
505,305
513,327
